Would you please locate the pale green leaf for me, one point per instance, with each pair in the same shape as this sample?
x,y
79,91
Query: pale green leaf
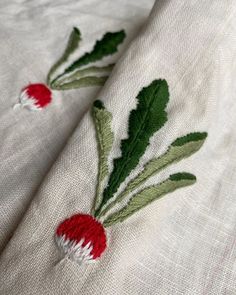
x,y
84,73
181,148
102,120
150,194
73,43
83,82
144,121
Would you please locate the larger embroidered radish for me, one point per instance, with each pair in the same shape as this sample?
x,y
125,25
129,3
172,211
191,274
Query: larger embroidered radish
x,y
82,237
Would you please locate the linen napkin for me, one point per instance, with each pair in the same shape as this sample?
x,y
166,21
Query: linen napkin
x,y
183,243
33,36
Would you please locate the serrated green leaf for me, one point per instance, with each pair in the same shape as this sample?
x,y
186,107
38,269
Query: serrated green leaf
x,y
191,137
72,45
181,148
150,194
83,82
102,120
104,47
144,121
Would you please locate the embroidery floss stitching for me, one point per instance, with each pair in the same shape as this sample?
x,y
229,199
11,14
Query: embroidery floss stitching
x,y
83,78
144,121
82,82
35,97
82,238
73,43
108,45
150,194
181,148
102,121
79,235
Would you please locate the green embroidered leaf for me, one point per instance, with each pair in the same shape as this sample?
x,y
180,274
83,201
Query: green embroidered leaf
x,y
88,76
150,194
147,118
102,120
72,45
181,148
83,82
85,72
104,47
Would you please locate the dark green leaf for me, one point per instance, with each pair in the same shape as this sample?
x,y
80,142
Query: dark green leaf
x,y
106,46
147,118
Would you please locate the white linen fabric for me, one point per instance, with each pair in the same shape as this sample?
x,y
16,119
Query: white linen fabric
x,y
184,243
33,36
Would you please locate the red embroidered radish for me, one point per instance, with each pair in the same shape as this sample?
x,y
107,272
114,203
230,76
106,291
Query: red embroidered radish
x,y
81,238
38,96
35,97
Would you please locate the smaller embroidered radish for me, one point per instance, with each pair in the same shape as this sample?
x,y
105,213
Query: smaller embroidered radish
x,y
81,238
34,97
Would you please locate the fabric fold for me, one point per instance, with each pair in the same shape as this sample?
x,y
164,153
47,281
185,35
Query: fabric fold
x,y
184,243
33,38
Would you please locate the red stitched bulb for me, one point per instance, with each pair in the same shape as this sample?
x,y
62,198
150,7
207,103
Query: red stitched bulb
x,y
82,238
35,97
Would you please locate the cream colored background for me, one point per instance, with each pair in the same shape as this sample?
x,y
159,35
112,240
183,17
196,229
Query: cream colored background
x,y
33,35
185,243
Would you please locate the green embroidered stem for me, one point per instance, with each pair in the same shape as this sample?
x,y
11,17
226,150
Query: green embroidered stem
x,y
83,82
102,120
144,121
150,194
106,46
181,148
73,43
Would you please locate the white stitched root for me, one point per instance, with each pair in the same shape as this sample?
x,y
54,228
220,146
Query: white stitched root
x,y
28,102
75,251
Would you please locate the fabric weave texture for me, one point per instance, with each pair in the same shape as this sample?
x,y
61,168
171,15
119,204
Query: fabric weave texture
x,y
184,243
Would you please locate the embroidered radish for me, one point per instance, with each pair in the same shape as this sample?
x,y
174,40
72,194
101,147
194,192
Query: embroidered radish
x,y
82,237
35,97
38,96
